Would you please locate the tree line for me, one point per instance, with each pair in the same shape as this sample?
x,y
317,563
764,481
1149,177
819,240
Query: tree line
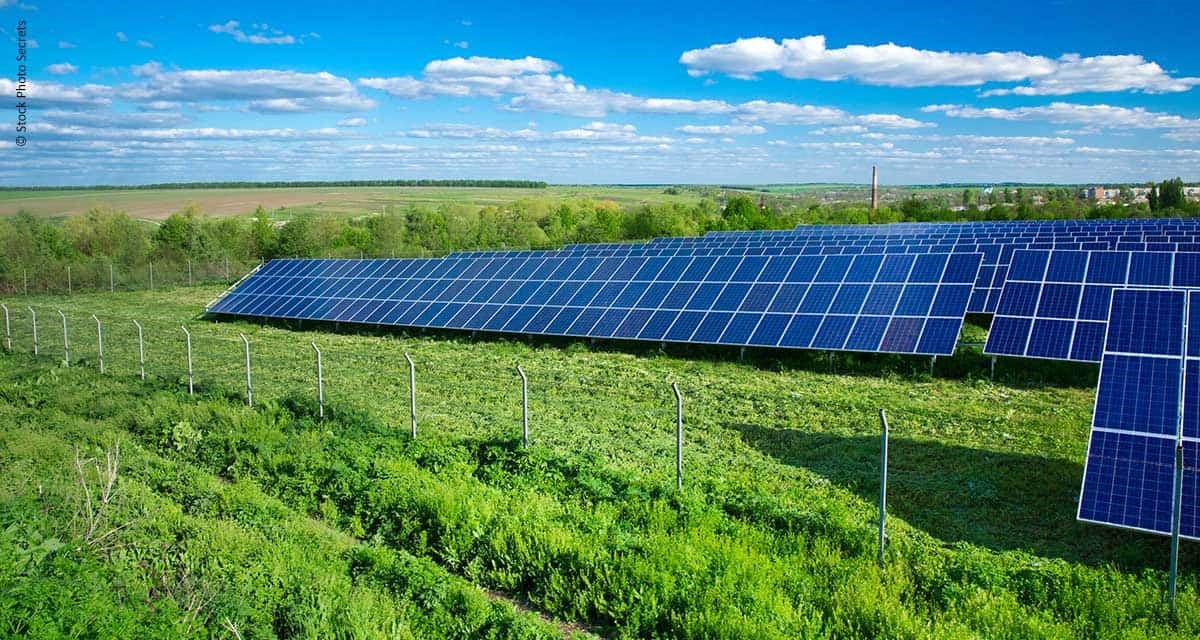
x,y
498,184
104,236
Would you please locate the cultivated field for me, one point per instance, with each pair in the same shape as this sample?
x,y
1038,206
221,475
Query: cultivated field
x,y
285,524
157,204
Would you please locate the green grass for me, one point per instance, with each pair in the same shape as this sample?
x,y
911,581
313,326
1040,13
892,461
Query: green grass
x,y
772,537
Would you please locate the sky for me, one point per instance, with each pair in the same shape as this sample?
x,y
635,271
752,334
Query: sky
x,y
602,92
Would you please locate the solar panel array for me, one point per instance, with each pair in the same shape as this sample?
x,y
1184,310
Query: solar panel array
x,y
1055,304
1147,403
891,303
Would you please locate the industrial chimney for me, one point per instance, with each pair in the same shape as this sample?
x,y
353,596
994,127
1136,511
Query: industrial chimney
x,y
874,187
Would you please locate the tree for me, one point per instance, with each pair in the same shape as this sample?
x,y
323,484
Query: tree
x,y
966,198
1007,196
1152,197
263,233
1170,194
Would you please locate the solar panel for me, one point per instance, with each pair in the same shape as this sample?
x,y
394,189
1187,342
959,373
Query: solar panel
x,y
1145,407
895,303
1054,304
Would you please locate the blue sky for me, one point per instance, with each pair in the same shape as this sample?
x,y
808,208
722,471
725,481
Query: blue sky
x,y
629,92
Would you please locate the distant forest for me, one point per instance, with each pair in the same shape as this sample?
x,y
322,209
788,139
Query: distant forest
x,y
36,248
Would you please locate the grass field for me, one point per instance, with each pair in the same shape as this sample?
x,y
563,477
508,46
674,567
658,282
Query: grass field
x,y
773,535
157,204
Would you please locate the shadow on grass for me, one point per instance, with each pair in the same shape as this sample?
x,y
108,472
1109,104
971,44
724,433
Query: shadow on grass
x,y
1001,501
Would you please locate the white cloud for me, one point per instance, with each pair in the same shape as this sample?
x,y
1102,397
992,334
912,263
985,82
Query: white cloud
x,y
1098,115
352,122
121,37
112,119
267,90
263,33
890,64
53,94
63,44
841,130
144,44
722,129
461,44
62,68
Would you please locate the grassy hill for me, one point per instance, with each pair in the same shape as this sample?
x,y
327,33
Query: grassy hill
x,y
281,524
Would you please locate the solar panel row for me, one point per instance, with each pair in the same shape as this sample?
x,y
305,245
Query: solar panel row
x,y
1147,403
1055,304
894,303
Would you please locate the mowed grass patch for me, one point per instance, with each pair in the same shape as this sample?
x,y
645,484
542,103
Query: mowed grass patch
x,y
780,455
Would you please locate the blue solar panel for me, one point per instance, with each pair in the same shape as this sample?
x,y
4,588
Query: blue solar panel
x,y
1145,408
796,301
1065,296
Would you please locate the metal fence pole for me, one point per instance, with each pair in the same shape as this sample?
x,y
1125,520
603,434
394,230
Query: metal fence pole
x,y
412,393
151,275
25,280
524,407
33,315
141,351
320,384
99,343
66,343
883,467
226,267
678,437
249,390
191,390
112,283
7,330
189,272
69,280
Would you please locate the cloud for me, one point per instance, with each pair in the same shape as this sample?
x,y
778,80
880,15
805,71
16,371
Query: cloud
x,y
461,44
263,33
266,90
53,94
535,84
62,68
145,44
121,37
722,130
809,58
352,122
63,44
112,119
1098,115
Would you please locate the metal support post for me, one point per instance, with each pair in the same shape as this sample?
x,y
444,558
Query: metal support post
x,y
191,388
66,342
678,437
151,275
7,330
320,384
189,272
412,393
1176,514
992,374
33,315
99,343
69,280
112,282
249,388
883,467
141,351
524,407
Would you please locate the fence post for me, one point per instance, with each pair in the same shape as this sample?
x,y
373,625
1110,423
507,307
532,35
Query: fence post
x,y
883,466
187,333
412,393
189,272
151,275
33,314
69,292
320,384
227,267
7,330
524,407
66,344
141,351
112,283
249,390
25,280
99,343
678,437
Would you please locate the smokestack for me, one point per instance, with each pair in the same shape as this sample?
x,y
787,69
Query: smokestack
x,y
874,187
